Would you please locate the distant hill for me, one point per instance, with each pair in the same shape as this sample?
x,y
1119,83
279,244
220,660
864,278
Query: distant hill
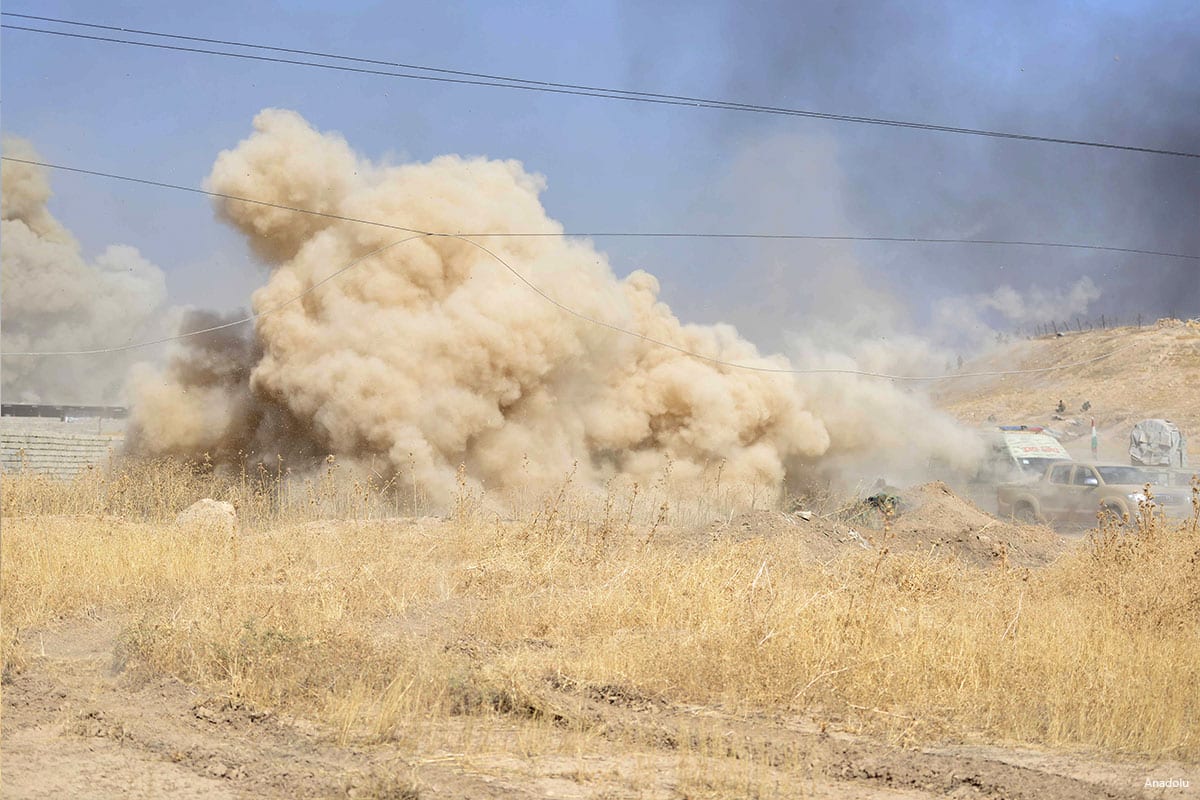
x,y
1153,372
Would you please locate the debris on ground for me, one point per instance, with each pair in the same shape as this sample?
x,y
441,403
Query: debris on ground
x,y
942,522
928,518
210,516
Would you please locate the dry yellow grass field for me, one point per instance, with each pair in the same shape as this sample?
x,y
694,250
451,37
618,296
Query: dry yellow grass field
x,y
621,657
1152,372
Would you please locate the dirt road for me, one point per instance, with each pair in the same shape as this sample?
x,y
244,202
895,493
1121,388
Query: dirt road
x,y
78,722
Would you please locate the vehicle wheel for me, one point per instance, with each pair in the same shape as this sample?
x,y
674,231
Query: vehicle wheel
x,y
1111,515
1025,514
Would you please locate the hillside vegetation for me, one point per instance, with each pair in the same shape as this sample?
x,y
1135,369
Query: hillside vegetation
x,y
1152,372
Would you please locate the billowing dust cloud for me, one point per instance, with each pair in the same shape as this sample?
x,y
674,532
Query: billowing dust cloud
x,y
55,299
431,354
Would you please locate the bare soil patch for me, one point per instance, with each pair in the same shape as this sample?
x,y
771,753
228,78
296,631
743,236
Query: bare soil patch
x,y
930,518
81,722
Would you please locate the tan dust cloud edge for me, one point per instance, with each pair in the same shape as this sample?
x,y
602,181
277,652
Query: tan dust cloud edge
x,y
55,298
430,354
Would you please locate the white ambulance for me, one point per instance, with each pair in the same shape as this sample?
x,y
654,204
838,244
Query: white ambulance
x,y
1019,452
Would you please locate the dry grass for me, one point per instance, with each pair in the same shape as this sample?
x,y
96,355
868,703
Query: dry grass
x,y
391,628
1163,363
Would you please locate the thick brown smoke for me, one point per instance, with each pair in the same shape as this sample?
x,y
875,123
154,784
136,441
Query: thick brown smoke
x,y
431,354
55,299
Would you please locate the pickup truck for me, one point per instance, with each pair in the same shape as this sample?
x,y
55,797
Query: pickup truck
x,y
1073,493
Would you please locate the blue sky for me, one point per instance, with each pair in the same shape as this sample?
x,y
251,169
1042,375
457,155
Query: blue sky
x,y
1122,72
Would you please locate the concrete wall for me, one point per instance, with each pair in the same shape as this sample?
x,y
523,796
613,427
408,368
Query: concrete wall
x,y
56,447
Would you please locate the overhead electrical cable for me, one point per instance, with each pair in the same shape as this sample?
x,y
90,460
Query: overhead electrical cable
x,y
575,313
532,287
780,370
443,75
225,325
613,234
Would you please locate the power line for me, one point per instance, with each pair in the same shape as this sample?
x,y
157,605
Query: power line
x,y
779,370
611,234
499,81
575,313
205,192
225,325
562,307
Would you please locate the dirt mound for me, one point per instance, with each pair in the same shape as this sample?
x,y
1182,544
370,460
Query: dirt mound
x,y
930,518
820,537
213,516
